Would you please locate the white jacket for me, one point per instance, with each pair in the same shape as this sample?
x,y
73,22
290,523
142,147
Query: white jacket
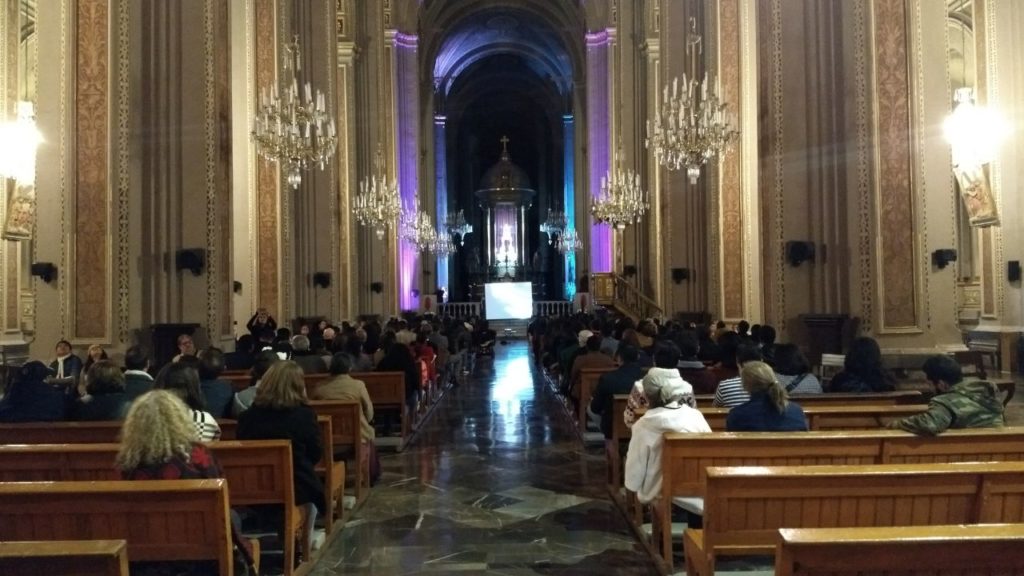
x,y
643,461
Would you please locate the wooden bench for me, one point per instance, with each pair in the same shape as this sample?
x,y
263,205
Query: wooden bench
x,y
746,506
347,434
99,432
257,471
387,391
841,398
65,558
161,520
588,383
935,550
859,417
686,457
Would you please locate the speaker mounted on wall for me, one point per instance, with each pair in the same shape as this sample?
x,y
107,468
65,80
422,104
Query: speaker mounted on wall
x,y
191,259
629,270
942,257
376,287
1013,270
45,271
680,274
799,251
322,279
236,286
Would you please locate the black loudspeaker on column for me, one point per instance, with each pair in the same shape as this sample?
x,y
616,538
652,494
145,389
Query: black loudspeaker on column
x,y
191,259
322,279
1013,270
45,271
799,251
942,257
680,274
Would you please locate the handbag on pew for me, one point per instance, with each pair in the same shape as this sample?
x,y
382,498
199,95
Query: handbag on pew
x,y
796,382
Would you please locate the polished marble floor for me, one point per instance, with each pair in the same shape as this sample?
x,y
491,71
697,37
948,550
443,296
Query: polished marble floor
x,y
496,483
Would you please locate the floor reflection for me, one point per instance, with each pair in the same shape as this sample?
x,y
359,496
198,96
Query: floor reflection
x,y
496,484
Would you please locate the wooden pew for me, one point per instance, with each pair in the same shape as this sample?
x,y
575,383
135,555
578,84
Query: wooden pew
x,y
65,558
333,473
346,433
258,472
859,417
387,391
935,550
101,432
841,398
588,383
746,506
161,520
686,457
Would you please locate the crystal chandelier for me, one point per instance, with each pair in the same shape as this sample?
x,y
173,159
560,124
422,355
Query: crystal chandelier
x,y
568,241
418,230
378,204
19,140
622,200
692,125
443,245
294,129
553,225
456,225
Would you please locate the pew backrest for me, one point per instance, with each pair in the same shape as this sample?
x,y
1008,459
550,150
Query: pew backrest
x,y
588,383
161,520
953,550
386,389
98,432
78,557
745,506
855,417
842,398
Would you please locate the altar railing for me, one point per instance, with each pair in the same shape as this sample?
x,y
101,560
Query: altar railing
x,y
546,308
460,309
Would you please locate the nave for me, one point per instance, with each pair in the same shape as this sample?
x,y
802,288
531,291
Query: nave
x,y
496,483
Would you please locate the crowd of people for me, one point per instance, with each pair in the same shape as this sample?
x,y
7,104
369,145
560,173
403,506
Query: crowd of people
x,y
169,414
663,366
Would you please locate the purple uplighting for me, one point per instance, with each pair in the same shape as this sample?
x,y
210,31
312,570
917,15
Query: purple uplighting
x,y
598,47
408,179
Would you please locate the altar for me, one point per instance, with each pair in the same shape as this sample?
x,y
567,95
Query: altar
x,y
505,196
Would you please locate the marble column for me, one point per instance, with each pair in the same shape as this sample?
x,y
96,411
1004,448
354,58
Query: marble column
x,y
569,203
347,279
441,191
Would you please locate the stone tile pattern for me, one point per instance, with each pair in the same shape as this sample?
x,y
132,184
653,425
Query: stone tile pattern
x,y
497,483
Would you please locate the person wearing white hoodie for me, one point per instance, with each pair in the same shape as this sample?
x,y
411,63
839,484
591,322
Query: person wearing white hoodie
x,y
672,409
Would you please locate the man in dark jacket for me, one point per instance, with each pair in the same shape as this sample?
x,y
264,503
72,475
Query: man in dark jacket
x,y
217,393
30,398
618,381
137,380
958,404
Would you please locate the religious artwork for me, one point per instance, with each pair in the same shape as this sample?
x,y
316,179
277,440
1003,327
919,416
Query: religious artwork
x,y
21,214
977,195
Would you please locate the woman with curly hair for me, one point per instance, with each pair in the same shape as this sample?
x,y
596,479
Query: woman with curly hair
x,y
159,442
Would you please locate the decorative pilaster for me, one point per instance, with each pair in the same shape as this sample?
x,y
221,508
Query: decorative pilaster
x,y
268,180
599,85
406,93
348,282
441,188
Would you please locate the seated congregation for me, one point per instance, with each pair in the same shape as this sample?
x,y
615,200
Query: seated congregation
x,y
305,409
670,389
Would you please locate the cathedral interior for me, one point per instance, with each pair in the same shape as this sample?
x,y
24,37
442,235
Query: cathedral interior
x,y
837,193
832,168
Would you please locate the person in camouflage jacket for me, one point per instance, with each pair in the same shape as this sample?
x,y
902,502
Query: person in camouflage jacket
x,y
958,404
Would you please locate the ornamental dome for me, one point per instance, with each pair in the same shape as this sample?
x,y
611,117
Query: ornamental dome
x,y
505,175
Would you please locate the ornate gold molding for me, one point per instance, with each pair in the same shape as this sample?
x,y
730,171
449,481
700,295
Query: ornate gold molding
x,y
731,231
91,245
123,177
268,252
894,186
865,216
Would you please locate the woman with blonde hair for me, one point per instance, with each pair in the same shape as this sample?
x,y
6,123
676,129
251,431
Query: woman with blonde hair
x,y
280,412
159,442
769,408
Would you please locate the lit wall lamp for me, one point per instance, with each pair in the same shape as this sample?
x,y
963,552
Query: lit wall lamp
x,y
19,140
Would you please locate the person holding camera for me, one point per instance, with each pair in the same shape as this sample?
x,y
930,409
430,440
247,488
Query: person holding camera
x,y
261,321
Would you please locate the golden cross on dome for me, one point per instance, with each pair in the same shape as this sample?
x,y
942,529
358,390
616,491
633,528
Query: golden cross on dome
x,y
504,144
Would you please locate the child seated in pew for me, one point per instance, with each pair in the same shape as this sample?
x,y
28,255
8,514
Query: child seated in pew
x,y
159,442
